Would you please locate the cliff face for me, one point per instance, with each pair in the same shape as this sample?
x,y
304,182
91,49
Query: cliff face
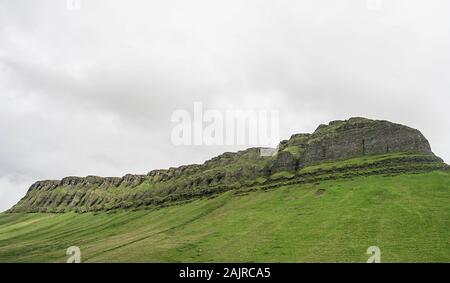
x,y
338,140
350,138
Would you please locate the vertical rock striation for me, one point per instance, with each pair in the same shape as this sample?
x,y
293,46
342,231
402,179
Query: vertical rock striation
x,y
338,140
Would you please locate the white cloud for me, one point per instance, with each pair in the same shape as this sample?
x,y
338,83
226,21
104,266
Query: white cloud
x,y
12,188
92,91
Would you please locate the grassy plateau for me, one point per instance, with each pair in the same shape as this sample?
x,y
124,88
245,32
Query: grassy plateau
x,y
406,215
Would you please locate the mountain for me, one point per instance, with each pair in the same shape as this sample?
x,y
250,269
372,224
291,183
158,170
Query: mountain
x,y
404,150
324,196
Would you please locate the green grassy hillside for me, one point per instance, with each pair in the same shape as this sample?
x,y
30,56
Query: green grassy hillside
x,y
325,220
342,149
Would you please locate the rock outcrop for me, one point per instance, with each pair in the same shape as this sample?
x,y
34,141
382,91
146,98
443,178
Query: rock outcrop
x,y
347,139
338,140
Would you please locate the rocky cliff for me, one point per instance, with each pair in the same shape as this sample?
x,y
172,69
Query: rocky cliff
x,y
346,139
395,149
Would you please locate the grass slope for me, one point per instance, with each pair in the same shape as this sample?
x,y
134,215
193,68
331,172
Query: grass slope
x,y
407,216
231,171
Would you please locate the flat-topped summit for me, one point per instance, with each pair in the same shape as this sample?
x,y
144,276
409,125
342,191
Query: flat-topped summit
x,y
344,139
385,148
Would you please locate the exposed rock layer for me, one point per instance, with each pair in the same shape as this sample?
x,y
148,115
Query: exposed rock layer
x,y
350,138
336,141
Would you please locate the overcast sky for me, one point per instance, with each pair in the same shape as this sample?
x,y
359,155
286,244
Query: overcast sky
x,y
92,91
